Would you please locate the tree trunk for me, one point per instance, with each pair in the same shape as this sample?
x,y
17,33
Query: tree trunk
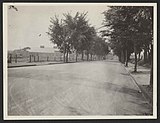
x,y
64,54
76,56
67,56
122,57
87,56
126,58
98,57
139,56
145,55
91,57
129,54
119,56
135,54
82,56
151,75
151,72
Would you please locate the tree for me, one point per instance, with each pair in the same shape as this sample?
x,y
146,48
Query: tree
x,y
71,33
100,47
130,29
117,23
81,33
57,32
145,19
89,39
78,26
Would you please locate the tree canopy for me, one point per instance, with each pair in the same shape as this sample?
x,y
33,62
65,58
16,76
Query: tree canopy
x,y
74,33
130,30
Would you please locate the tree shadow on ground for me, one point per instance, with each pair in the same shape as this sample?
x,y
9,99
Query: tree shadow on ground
x,y
138,98
108,86
125,74
140,72
135,97
148,89
77,111
123,89
143,105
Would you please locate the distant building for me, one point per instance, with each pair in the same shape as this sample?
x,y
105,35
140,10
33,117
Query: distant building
x,y
45,53
19,53
41,53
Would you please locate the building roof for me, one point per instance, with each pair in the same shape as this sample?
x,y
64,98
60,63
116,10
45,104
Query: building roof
x,y
43,49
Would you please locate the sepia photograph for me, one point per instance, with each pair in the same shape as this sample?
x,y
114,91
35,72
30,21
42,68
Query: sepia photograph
x,y
79,61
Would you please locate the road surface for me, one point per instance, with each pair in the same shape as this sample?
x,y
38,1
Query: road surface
x,y
84,88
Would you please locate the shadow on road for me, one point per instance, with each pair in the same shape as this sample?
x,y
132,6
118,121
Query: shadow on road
x,y
110,87
77,111
125,74
123,89
137,97
140,72
144,105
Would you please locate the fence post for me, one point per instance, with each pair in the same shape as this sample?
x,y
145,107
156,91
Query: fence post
x,y
47,58
34,58
10,58
38,58
16,58
30,58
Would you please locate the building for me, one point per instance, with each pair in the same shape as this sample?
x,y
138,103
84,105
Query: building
x,y
35,54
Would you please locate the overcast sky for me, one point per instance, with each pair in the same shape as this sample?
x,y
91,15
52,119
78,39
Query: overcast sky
x,y
25,25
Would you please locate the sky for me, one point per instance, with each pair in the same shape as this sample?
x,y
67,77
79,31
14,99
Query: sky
x,y
26,24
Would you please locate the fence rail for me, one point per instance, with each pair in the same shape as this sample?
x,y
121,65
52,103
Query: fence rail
x,y
37,58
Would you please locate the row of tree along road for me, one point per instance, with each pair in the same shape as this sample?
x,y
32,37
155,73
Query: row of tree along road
x,y
129,29
75,34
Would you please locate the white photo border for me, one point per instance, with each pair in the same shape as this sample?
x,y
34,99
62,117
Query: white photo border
x,y
5,71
